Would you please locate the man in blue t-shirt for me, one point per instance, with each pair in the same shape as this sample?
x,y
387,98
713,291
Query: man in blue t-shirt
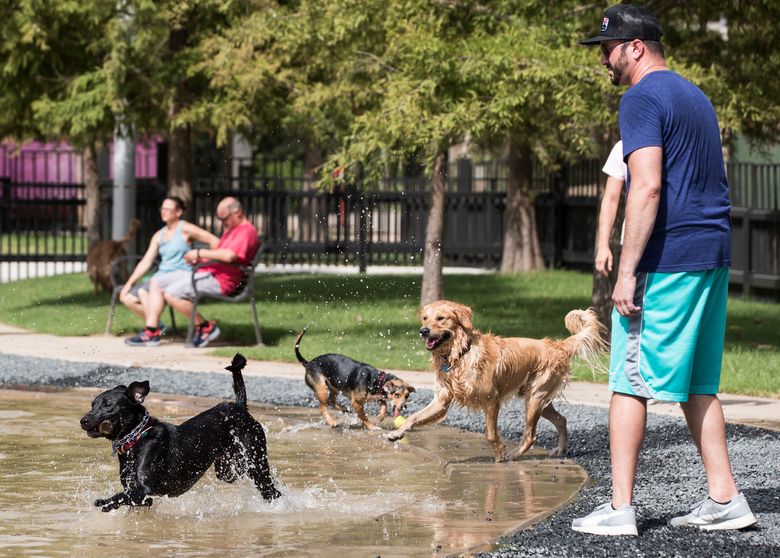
x,y
669,320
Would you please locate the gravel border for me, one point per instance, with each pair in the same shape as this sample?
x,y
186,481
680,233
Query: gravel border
x,y
670,477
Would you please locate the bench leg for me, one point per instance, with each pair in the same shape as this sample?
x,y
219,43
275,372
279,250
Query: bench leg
x,y
173,320
111,308
258,337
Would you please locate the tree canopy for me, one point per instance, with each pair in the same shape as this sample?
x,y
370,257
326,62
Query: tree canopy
x,y
359,78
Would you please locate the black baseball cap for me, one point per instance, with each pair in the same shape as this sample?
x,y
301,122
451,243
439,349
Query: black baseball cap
x,y
627,22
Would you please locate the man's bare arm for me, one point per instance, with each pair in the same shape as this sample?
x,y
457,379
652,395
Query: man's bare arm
x,y
645,167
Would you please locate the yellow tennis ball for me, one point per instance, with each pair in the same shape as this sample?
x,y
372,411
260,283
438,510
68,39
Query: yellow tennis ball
x,y
399,421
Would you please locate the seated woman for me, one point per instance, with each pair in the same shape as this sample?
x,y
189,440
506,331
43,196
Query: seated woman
x,y
171,242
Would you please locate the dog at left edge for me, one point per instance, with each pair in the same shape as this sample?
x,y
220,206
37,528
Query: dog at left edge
x,y
161,459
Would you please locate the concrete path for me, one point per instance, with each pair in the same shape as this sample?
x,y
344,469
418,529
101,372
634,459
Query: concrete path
x,y
109,349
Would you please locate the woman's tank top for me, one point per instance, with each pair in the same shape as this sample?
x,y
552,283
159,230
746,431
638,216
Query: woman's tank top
x,y
172,252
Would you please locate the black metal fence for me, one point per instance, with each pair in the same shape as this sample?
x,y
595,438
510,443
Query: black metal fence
x,y
384,223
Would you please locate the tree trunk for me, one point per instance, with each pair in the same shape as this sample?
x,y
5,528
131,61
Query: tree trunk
x,y
432,280
225,163
91,215
601,297
314,213
180,167
522,251
180,140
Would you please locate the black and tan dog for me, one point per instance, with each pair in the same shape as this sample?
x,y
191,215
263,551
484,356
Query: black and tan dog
x,y
161,459
331,374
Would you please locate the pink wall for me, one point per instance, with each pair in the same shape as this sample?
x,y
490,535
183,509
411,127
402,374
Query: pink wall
x,y
58,163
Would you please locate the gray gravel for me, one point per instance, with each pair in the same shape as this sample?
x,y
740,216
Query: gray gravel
x,y
670,476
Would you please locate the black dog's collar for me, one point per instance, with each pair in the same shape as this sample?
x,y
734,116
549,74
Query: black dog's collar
x,y
125,444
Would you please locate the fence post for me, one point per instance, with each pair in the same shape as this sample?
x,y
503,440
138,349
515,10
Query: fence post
x,y
559,184
747,226
5,205
465,175
362,254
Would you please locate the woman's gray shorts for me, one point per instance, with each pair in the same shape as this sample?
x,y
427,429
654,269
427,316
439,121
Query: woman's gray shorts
x,y
164,279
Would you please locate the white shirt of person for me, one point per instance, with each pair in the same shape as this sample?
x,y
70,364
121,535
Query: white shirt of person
x,y
616,168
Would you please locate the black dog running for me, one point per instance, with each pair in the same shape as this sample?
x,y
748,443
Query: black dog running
x,y
161,459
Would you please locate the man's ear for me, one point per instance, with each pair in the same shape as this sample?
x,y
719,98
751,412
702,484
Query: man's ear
x,y
137,391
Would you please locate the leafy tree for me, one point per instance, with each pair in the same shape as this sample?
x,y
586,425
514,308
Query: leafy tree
x,y
301,69
539,96
169,39
423,108
61,90
295,70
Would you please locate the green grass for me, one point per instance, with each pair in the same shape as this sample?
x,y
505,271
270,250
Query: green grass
x,y
42,243
373,318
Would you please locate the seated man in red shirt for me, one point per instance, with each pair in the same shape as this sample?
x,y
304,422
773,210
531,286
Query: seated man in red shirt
x,y
237,244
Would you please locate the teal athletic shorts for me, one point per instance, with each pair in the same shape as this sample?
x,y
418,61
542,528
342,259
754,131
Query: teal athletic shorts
x,y
674,348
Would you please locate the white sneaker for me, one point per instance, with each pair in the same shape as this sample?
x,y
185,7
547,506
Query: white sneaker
x,y
709,515
606,520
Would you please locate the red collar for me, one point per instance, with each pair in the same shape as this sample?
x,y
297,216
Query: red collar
x,y
126,444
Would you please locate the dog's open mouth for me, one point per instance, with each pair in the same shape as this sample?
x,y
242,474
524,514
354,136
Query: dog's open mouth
x,y
432,342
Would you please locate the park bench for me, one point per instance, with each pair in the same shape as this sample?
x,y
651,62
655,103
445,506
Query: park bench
x,y
244,291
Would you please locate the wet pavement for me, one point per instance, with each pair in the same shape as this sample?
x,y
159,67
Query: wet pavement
x,y
670,477
436,494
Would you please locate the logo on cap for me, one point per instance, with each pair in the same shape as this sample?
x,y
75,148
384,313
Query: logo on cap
x,y
604,24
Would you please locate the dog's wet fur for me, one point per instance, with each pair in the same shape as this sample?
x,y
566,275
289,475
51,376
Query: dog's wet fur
x,y
166,459
102,253
331,374
481,370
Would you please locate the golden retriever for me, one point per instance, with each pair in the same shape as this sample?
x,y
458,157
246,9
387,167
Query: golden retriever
x,y
102,253
481,370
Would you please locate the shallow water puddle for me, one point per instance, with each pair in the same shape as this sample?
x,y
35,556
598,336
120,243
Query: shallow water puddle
x,y
346,492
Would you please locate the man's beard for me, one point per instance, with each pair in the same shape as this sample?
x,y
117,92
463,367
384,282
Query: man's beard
x,y
618,68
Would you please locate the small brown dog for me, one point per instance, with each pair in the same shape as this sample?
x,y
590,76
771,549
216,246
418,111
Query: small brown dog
x,y
481,370
102,253
331,374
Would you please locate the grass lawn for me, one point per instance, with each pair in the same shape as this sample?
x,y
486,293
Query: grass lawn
x,y
42,243
373,318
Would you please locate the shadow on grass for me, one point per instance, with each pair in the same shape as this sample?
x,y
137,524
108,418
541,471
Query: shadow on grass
x,y
85,299
243,335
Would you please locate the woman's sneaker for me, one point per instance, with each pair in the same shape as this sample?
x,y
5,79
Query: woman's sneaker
x,y
206,332
606,520
145,338
709,515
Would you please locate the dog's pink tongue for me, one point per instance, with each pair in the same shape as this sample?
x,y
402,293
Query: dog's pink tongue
x,y
430,343
396,412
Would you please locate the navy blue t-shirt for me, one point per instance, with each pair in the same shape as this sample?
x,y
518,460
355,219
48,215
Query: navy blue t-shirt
x,y
692,230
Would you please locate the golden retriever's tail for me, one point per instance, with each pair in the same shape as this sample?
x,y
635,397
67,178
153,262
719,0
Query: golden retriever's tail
x,y
131,230
587,338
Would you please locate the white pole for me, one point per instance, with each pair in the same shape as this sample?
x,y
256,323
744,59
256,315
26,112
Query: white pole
x,y
123,211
